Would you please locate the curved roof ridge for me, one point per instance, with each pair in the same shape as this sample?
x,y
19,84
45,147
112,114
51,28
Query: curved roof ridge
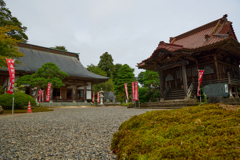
x,y
198,29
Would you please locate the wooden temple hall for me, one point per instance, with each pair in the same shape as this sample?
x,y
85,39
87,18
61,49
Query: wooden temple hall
x,y
78,86
213,47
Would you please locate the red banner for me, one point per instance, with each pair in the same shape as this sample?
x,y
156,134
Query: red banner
x,y
11,70
97,97
136,91
93,97
133,95
126,91
48,92
200,75
40,95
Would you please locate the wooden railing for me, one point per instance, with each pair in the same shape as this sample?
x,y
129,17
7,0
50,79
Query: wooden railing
x,y
166,91
224,80
190,89
234,81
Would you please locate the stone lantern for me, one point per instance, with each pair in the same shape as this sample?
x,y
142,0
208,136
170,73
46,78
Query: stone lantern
x,y
101,96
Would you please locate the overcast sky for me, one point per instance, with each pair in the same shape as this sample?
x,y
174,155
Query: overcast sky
x,y
129,30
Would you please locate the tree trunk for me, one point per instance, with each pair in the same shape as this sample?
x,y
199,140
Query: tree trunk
x,y
36,94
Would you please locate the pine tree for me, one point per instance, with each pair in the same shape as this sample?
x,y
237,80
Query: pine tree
x,y
124,75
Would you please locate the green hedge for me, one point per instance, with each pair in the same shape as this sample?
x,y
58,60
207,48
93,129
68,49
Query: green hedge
x,y
20,100
201,132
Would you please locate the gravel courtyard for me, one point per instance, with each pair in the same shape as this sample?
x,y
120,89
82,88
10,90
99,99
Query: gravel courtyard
x,y
65,133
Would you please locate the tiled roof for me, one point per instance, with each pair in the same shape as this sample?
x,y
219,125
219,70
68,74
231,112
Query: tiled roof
x,y
200,38
207,34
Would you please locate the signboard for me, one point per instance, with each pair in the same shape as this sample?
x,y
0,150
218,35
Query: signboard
x,y
218,89
126,91
48,92
11,70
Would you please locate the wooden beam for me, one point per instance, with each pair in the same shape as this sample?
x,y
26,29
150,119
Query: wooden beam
x,y
174,65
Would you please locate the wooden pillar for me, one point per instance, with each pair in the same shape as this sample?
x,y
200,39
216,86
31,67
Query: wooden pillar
x,y
236,92
85,91
162,88
184,76
74,93
216,65
230,86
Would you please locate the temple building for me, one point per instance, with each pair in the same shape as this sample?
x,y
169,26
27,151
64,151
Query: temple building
x,y
78,86
213,47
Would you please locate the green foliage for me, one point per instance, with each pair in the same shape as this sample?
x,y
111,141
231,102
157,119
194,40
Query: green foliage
x,y
149,79
2,90
8,46
106,63
124,75
143,94
96,70
116,69
6,19
126,104
238,109
198,132
20,100
106,86
140,78
48,73
34,109
62,48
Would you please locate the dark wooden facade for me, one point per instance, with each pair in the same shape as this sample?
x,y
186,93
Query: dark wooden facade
x,y
212,47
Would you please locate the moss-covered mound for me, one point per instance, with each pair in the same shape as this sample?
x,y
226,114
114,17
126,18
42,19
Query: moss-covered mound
x,y
201,132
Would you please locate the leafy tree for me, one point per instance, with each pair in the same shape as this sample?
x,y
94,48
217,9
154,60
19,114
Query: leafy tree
x,y
116,69
150,79
96,70
6,19
8,46
106,63
48,73
140,78
143,94
106,86
124,75
62,48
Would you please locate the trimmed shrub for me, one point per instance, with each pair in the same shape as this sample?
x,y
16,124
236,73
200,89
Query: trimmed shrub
x,y
200,132
20,100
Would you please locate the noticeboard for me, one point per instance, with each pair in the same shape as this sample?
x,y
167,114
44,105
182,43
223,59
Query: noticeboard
x,y
218,89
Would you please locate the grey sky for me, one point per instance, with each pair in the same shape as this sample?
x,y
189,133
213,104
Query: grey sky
x,y
129,30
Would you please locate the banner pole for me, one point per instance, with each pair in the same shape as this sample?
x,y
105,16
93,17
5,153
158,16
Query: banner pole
x,y
49,98
13,102
199,88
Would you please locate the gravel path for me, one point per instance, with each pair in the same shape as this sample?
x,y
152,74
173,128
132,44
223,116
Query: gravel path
x,y
65,133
